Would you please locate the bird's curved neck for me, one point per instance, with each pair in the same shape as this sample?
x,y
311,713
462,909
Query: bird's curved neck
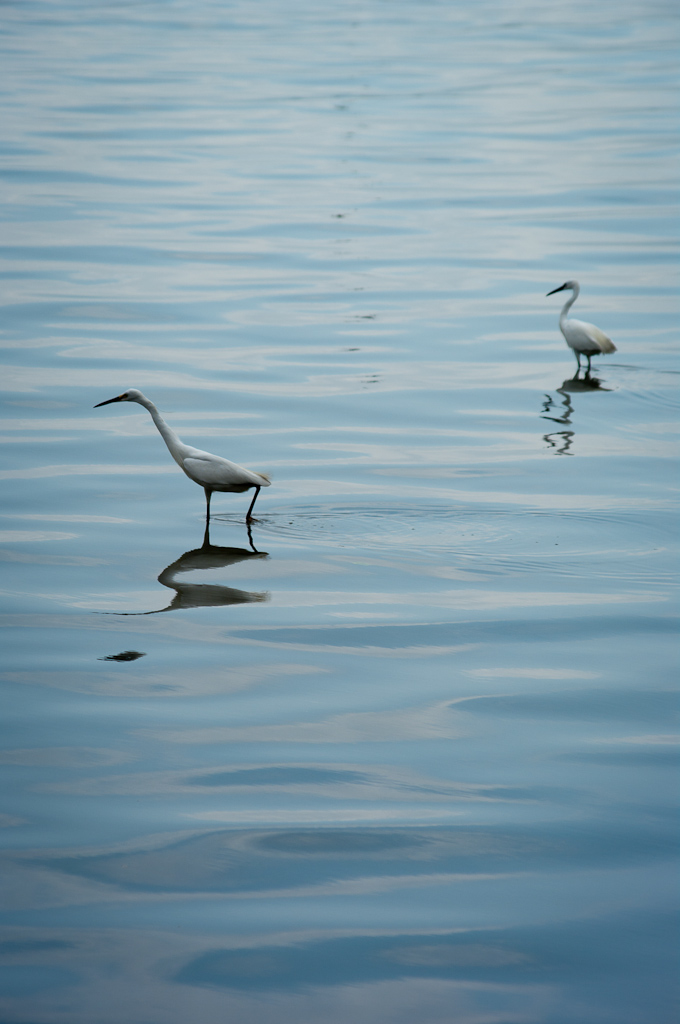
x,y
569,303
169,436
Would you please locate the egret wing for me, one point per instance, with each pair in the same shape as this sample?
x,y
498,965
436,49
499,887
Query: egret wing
x,y
220,474
597,336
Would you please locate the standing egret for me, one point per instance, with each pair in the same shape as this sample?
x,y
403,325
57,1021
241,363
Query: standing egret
x,y
211,472
580,336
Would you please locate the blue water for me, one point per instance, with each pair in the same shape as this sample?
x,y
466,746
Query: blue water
x,y
405,750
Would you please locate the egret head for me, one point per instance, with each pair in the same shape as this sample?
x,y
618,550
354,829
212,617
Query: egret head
x,y
563,287
131,395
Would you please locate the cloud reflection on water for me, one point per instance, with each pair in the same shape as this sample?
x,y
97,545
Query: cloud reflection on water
x,y
168,682
416,794
242,862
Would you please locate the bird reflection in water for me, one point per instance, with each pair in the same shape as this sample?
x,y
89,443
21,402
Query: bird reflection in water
x,y
124,656
206,595
561,440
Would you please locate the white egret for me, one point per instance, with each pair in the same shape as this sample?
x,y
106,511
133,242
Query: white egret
x,y
211,472
583,338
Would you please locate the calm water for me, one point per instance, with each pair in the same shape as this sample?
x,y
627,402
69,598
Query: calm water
x,y
405,754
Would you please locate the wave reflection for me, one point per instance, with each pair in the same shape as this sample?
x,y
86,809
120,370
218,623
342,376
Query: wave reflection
x,y
561,441
206,595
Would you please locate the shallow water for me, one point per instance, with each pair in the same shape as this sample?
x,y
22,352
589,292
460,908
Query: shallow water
x,y
404,751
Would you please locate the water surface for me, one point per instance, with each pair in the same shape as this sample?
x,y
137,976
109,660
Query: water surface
x,y
404,750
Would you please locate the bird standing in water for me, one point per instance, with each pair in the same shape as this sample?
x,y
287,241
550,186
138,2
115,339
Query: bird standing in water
x,y
585,339
211,472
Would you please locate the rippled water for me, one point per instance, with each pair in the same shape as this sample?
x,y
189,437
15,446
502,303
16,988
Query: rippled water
x,y
402,752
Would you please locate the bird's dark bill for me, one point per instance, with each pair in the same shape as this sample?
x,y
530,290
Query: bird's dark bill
x,y
560,289
109,400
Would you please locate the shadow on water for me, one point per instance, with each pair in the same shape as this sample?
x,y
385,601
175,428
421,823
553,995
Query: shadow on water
x,y
206,595
561,440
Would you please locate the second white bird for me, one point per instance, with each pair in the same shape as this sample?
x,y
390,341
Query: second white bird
x,y
583,338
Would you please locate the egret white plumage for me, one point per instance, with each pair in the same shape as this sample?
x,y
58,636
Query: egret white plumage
x,y
585,339
211,472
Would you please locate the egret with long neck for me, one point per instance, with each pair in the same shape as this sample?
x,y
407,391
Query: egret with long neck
x,y
211,472
583,338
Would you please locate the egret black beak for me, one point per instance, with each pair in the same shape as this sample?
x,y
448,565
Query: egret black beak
x,y
108,401
560,289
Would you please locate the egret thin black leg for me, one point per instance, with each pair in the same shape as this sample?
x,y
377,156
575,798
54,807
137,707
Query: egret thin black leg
x,y
588,358
208,496
578,361
250,537
248,513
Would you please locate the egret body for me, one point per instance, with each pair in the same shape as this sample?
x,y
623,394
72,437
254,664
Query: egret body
x,y
583,338
211,472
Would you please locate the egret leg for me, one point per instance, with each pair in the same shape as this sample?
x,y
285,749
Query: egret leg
x,y
250,537
588,358
208,496
248,513
578,360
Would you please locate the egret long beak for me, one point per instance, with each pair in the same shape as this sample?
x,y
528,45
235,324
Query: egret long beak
x,y
108,401
560,289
